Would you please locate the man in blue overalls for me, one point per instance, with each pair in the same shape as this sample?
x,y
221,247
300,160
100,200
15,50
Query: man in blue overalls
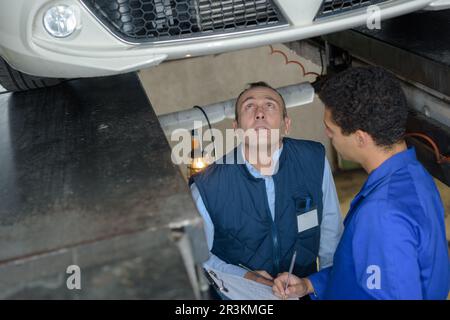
x,y
394,244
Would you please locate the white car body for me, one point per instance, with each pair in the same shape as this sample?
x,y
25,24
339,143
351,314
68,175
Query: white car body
x,y
93,50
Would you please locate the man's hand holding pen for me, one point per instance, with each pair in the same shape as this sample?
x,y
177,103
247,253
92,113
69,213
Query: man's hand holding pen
x,y
297,287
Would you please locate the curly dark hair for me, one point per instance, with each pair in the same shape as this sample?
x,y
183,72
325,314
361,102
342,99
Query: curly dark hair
x,y
368,99
259,84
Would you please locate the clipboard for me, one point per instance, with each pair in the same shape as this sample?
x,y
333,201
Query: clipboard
x,y
239,288
217,283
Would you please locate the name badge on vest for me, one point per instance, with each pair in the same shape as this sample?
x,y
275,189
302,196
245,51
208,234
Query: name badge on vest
x,y
307,217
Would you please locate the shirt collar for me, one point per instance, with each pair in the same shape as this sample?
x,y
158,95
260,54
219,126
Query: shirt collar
x,y
389,166
252,170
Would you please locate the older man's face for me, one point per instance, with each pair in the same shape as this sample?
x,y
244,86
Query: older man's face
x,y
260,110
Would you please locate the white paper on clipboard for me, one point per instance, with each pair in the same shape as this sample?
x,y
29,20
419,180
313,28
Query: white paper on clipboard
x,y
240,288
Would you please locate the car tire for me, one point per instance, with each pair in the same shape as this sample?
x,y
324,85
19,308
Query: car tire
x,y
14,81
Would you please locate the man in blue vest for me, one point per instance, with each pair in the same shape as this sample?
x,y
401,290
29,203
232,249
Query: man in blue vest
x,y
256,213
394,244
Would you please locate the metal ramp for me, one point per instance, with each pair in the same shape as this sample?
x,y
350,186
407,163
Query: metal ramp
x,y
86,179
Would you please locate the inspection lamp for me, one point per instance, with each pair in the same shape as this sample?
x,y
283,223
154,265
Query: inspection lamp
x,y
198,162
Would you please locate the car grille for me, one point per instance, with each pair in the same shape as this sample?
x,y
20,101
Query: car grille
x,y
333,7
166,20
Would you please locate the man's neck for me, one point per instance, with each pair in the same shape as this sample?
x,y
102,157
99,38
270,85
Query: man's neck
x,y
264,167
376,158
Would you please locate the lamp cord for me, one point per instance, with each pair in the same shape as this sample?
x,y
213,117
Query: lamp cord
x,y
210,129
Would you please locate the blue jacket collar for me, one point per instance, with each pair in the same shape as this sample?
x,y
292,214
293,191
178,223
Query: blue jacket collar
x,y
391,165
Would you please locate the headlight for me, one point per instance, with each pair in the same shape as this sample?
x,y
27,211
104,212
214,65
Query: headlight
x,y
60,21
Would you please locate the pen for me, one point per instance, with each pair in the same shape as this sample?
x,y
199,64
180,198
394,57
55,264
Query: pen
x,y
254,272
291,268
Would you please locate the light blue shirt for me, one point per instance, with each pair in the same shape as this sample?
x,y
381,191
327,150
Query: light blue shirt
x,y
330,229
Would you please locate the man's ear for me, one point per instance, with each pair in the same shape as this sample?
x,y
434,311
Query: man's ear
x,y
235,124
287,125
363,139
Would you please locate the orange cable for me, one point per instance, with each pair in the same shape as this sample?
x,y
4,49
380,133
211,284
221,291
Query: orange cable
x,y
439,157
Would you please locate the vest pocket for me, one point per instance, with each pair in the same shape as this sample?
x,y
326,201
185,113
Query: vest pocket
x,y
306,213
307,220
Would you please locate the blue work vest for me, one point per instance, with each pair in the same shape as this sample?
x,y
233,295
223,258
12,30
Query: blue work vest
x,y
244,231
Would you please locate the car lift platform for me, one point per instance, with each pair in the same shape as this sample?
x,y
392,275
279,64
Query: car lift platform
x,y
86,179
415,47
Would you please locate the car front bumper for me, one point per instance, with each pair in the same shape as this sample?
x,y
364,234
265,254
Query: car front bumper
x,y
95,51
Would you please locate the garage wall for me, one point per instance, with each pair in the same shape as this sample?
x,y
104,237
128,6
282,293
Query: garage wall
x,y
181,84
